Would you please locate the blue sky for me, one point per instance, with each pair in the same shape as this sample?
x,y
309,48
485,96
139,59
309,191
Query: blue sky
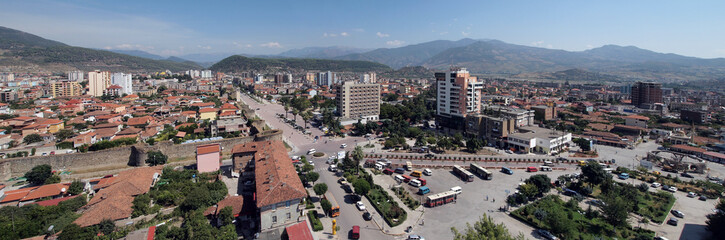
x,y
691,28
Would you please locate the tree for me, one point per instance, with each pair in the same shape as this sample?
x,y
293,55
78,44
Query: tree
x,y
141,205
361,186
32,151
38,174
541,181
295,112
226,215
474,144
615,209
64,134
73,232
594,173
357,157
559,222
320,189
156,158
32,138
485,229
716,221
286,110
326,205
76,187
52,179
106,226
312,176
306,116
529,190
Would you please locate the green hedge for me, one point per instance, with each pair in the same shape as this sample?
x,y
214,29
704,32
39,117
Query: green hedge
x,y
315,221
386,206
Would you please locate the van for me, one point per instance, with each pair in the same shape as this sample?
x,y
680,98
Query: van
x,y
532,169
333,168
548,163
624,176
378,166
408,165
388,171
457,189
545,169
423,182
427,172
400,170
399,178
406,178
423,190
415,183
507,171
416,174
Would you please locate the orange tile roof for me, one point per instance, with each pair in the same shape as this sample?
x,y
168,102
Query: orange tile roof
x,y
139,120
16,195
688,148
208,110
208,148
236,202
54,202
47,191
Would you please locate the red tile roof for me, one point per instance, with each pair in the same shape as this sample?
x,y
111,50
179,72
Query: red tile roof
x,y
236,202
139,120
299,231
688,148
16,195
47,191
54,202
208,148
208,110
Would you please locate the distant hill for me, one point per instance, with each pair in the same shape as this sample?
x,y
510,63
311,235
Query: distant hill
x,y
237,63
322,52
138,53
411,55
409,72
20,49
571,75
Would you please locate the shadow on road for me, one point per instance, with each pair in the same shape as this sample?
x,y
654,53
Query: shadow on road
x,y
694,231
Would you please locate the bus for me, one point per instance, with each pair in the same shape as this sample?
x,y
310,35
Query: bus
x,y
464,174
335,209
481,172
440,198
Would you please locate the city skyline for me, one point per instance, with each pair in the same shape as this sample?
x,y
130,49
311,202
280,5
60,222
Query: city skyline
x,y
180,27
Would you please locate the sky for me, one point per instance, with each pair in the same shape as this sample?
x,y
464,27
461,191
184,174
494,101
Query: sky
x,y
176,28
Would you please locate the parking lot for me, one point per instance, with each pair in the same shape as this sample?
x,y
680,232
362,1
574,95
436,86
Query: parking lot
x,y
478,197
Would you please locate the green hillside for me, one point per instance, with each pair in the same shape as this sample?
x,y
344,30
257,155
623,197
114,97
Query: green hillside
x,y
240,63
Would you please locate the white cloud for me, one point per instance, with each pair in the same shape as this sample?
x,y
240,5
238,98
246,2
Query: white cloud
x,y
344,34
537,43
589,46
271,45
329,34
241,45
358,30
204,47
443,33
465,34
395,43
128,46
382,35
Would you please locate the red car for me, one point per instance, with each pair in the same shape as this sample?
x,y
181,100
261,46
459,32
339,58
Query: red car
x,y
532,169
355,233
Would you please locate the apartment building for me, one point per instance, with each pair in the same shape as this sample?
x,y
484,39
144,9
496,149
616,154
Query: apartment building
x,y
98,81
493,130
124,80
358,101
458,95
645,94
539,140
66,88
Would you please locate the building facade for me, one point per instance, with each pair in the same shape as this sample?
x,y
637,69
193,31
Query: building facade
x,y
326,78
646,93
76,76
124,80
695,116
491,129
66,89
98,81
539,140
358,101
458,95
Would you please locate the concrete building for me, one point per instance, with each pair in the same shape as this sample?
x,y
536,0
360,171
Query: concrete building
x,y
358,101
539,140
326,78
368,78
124,80
310,77
66,88
491,129
206,74
76,76
522,117
8,95
636,121
544,113
278,190
458,95
645,94
208,157
229,124
98,81
693,116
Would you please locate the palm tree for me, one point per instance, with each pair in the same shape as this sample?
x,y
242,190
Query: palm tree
x,y
294,113
286,110
306,117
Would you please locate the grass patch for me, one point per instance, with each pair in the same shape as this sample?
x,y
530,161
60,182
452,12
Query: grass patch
x,y
655,206
405,197
318,154
315,221
393,214
566,221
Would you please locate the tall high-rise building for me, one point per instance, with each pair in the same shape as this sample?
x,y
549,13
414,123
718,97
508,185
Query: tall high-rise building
x,y
310,77
124,80
358,101
206,74
98,81
75,76
66,88
368,77
326,78
458,95
645,94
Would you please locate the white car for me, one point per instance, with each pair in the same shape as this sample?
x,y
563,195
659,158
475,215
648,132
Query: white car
x,y
344,145
311,151
672,189
691,194
415,237
656,185
360,206
427,172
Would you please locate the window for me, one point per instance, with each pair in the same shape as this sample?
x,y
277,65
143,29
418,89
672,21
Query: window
x,y
287,203
289,216
274,219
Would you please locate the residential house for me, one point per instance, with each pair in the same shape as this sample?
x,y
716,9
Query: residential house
x,y
208,157
208,113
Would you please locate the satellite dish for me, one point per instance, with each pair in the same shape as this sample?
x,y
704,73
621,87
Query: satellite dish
x,y
51,228
62,190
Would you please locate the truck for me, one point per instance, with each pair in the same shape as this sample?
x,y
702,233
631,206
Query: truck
x,y
408,165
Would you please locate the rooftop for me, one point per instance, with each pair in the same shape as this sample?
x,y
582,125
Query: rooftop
x,y
537,132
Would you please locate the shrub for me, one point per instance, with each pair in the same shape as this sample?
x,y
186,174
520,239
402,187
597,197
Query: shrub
x,y
315,221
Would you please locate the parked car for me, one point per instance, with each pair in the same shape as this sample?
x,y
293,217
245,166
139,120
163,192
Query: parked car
x,y
691,194
415,237
367,216
344,145
546,234
687,175
427,172
360,206
532,169
400,170
656,185
624,176
661,238
672,189
702,198
677,213
355,232
672,221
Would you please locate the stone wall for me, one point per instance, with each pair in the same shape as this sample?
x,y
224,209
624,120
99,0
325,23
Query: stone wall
x,y
122,156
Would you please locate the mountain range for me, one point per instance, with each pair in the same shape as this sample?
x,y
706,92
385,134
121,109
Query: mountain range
x,y
483,56
24,51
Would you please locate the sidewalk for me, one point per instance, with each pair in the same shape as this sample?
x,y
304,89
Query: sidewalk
x,y
413,218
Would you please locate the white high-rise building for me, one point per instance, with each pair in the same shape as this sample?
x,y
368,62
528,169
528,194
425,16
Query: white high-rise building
x,y
459,94
75,76
124,80
326,78
368,78
206,74
193,73
259,78
98,81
